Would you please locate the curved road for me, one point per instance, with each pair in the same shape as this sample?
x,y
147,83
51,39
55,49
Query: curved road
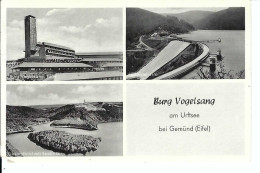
x,y
142,43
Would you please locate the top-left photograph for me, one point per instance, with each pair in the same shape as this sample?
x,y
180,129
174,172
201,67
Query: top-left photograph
x,y
64,44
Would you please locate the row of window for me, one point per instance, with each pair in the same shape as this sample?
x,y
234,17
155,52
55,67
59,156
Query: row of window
x,y
114,67
59,52
112,78
55,48
61,68
59,55
99,62
101,56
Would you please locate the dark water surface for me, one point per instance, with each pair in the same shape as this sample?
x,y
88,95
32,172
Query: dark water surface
x,y
232,46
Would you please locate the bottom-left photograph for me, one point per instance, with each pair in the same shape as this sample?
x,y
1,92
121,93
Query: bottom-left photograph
x,y
64,120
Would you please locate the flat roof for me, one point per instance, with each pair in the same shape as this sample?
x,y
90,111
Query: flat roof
x,y
99,53
112,65
86,75
55,45
48,65
101,59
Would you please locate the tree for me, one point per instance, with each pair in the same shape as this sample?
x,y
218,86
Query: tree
x,y
220,73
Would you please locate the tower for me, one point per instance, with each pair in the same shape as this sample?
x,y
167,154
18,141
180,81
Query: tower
x,y
30,35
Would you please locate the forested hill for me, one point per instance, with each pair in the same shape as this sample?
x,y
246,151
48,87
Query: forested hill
x,y
229,19
191,16
139,22
107,112
22,112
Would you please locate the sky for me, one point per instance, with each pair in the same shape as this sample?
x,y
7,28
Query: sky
x,y
26,95
84,30
181,10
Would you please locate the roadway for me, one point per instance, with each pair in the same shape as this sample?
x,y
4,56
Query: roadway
x,y
173,49
142,43
187,67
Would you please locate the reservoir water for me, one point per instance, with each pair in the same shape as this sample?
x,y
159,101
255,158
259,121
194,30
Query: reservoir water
x,y
111,140
232,46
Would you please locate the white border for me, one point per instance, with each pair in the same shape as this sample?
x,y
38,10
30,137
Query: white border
x,y
123,4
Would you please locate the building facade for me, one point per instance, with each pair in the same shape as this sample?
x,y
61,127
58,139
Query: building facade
x,y
53,51
41,71
86,55
113,67
41,50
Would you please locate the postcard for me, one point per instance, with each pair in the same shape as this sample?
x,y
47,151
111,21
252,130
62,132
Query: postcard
x,y
125,81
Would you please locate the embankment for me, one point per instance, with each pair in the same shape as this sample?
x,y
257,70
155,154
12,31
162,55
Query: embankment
x,y
11,151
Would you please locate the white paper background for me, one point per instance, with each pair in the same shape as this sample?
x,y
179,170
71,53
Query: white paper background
x,y
226,118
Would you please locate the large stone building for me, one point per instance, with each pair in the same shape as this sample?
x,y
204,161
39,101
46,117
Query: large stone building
x,y
41,51
43,60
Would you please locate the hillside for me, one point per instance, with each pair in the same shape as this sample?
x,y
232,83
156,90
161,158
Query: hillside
x,y
20,118
109,113
191,16
140,22
229,19
23,112
63,110
105,112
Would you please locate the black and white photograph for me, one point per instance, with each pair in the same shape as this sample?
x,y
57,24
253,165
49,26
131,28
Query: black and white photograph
x,y
64,44
147,85
64,120
185,43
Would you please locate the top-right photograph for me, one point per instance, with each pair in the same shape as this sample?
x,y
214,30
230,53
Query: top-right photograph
x,y
185,43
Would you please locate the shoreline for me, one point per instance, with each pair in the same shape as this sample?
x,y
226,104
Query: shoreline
x,y
15,132
82,128
11,151
28,131
72,127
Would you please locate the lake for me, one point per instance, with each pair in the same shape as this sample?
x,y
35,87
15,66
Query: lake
x,y
111,140
232,47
